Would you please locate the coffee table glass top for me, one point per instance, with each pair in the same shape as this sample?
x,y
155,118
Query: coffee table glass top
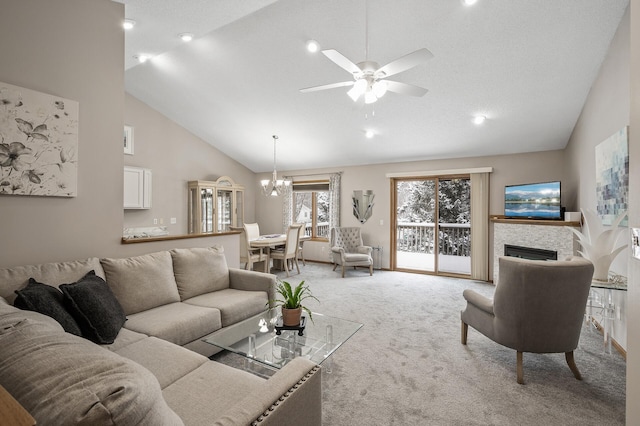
x,y
256,338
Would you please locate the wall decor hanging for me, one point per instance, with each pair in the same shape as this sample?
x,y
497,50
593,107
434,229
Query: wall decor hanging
x,y
128,140
363,205
38,143
612,177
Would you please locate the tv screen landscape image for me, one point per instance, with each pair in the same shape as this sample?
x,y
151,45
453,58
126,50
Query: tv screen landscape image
x,y
533,201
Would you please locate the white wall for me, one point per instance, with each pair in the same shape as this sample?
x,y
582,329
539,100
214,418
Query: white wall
x,y
72,49
175,157
507,170
606,110
633,297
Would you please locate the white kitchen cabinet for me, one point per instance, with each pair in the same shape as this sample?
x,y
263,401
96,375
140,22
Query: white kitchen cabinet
x,y
137,188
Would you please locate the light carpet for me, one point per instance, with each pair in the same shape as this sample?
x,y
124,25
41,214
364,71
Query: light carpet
x,y
406,366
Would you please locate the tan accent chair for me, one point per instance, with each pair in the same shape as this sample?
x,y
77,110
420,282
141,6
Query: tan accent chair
x,y
248,255
290,251
348,249
538,307
300,242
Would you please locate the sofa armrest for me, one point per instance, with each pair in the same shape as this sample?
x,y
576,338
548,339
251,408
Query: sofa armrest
x,y
241,279
479,301
291,397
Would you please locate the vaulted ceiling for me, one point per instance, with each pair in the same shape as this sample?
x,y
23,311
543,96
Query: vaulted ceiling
x,y
527,65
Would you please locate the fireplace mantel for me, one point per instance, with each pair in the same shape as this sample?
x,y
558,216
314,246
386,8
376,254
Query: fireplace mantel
x,y
552,235
502,219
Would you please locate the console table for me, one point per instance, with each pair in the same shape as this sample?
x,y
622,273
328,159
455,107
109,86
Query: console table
x,y
606,306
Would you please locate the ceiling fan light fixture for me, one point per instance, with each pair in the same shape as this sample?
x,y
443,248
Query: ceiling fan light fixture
x,y
370,97
369,134
359,87
379,88
469,2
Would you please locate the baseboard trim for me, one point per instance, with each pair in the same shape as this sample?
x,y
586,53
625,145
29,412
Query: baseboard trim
x,y
614,343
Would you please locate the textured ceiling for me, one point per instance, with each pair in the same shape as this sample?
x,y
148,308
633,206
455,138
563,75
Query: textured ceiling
x,y
527,65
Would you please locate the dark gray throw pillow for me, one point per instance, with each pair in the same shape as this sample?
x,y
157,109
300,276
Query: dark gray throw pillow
x,y
46,300
95,308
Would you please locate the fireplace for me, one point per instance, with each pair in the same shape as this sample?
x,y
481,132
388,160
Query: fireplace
x,y
530,253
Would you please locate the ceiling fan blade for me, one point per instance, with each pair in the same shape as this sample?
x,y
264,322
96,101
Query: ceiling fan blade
x,y
327,86
405,89
404,63
340,60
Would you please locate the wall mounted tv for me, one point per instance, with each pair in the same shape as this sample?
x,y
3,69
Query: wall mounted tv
x,y
533,201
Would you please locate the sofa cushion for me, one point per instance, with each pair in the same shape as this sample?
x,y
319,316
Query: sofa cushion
x,y
95,308
177,323
50,273
200,270
125,338
234,305
191,396
47,300
142,282
168,362
61,379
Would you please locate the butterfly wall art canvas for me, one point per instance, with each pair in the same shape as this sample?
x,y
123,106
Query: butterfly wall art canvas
x,y
38,143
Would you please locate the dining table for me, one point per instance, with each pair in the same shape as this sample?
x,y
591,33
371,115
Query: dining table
x,y
272,241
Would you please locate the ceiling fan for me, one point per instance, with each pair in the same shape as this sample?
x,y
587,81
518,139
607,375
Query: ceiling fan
x,y
370,78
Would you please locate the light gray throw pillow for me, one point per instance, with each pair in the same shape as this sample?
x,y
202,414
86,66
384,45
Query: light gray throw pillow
x,y
200,270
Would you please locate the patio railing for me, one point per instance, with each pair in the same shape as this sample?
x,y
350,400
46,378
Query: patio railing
x,y
454,238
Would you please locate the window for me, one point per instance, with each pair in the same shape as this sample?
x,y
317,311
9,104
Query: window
x,y
311,207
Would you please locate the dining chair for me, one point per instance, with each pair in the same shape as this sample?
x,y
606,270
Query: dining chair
x,y
290,250
249,255
300,242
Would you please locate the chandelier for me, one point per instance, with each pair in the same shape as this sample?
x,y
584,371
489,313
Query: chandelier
x,y
275,186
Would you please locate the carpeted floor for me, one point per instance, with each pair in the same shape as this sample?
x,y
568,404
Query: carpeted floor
x,y
406,366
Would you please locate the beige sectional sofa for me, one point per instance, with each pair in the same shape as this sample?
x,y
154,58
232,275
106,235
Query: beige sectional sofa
x,y
156,370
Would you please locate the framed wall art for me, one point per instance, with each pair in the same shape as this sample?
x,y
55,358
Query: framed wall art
x,y
612,176
38,143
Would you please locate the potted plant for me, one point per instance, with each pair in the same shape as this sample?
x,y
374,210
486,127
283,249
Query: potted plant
x,y
290,302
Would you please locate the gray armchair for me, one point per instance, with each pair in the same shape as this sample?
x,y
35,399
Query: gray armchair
x,y
538,307
348,250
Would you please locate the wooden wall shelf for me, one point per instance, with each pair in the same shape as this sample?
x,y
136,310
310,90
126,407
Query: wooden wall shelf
x,y
502,219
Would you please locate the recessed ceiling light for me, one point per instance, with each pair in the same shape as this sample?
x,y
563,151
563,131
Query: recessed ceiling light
x,y
479,119
186,37
369,134
469,2
313,46
142,58
128,24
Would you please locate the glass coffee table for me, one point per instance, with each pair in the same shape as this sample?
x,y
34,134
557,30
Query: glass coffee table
x,y
256,339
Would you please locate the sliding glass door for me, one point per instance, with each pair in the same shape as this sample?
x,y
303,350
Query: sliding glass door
x,y
432,231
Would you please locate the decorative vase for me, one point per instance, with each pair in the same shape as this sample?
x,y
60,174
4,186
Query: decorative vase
x,y
291,317
598,243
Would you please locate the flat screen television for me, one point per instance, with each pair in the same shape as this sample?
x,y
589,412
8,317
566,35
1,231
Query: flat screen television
x,y
533,201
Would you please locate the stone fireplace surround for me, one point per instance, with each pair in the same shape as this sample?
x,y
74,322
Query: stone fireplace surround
x,y
551,235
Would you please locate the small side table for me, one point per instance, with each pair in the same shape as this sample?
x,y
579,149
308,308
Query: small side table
x,y
607,306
